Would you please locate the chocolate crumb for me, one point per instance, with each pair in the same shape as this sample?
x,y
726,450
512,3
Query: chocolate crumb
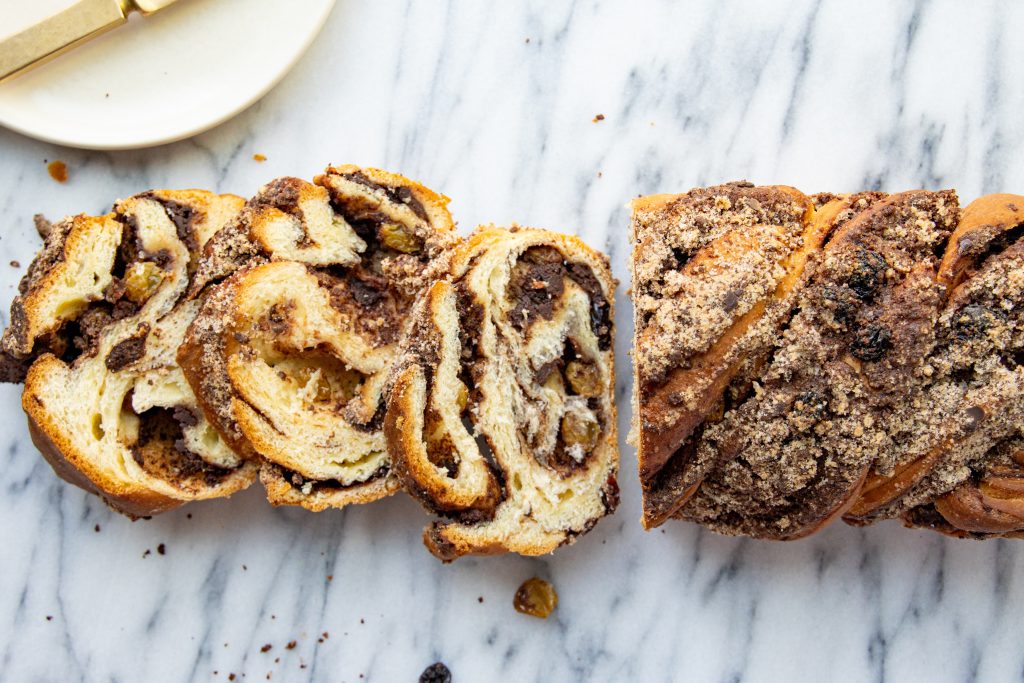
x,y
291,645
49,618
266,648
97,528
480,599
436,673
162,549
15,264
231,677
147,553
599,117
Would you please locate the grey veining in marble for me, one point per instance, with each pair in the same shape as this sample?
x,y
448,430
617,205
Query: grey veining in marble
x,y
494,105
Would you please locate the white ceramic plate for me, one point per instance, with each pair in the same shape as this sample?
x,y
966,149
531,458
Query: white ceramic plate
x,y
165,77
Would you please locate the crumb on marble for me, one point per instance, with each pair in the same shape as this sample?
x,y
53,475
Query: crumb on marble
x,y
266,648
291,645
480,599
15,264
49,617
231,676
330,577
97,528
162,549
259,158
147,553
58,170
598,118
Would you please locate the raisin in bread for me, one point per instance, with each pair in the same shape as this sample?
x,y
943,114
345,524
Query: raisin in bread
x,y
501,415
98,320
304,298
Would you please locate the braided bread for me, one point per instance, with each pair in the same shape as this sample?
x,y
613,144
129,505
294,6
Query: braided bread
x,y
304,298
501,416
97,322
884,382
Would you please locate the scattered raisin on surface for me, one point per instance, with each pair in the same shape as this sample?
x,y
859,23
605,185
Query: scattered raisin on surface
x,y
871,343
436,673
58,170
536,597
975,320
867,274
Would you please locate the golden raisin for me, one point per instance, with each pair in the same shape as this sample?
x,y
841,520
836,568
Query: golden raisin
x,y
399,238
580,429
536,597
141,281
584,378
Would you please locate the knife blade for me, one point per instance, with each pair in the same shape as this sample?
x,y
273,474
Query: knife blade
x,y
67,29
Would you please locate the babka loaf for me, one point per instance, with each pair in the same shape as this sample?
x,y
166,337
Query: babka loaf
x,y
304,298
94,332
501,416
868,369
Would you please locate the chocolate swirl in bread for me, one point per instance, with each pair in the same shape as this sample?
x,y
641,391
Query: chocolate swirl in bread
x,y
501,417
304,299
98,320
889,384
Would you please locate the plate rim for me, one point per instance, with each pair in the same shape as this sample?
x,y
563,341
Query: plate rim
x,y
177,136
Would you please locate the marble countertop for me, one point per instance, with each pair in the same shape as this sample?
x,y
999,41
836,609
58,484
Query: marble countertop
x,y
494,104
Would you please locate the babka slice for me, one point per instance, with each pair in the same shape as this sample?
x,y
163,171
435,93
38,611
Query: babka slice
x,y
501,417
98,320
304,298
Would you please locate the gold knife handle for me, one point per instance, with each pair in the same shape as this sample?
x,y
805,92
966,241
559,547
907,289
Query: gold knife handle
x,y
51,37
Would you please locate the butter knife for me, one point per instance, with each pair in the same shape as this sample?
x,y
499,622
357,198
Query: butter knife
x,y
69,28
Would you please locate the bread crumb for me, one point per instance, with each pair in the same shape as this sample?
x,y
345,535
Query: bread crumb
x,y
291,645
259,158
15,264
